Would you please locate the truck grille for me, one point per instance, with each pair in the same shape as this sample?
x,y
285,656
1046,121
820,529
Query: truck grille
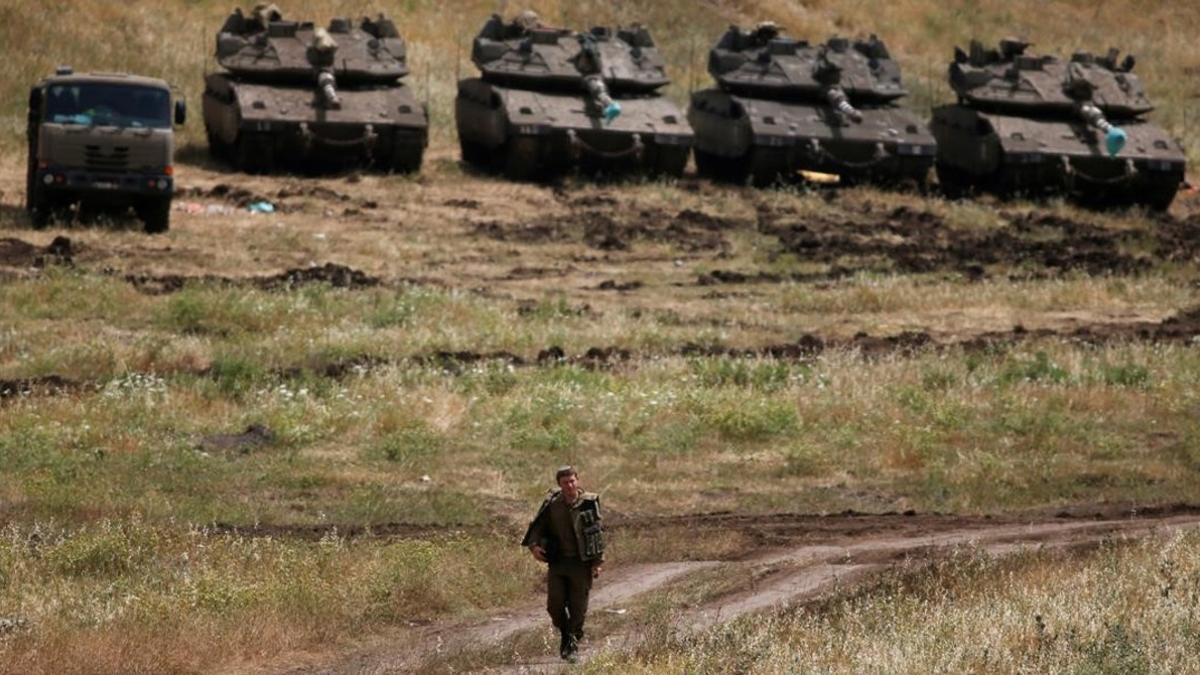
x,y
116,159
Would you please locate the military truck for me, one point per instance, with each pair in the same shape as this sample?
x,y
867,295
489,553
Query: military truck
x,y
323,98
1037,124
784,106
551,99
104,140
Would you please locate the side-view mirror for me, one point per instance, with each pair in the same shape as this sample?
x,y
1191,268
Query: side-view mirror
x,y
180,113
35,100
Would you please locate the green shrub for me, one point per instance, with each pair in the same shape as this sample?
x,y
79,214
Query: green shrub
x,y
416,441
1129,375
107,551
752,420
1040,369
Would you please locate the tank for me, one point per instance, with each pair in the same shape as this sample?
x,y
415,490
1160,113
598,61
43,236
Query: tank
x,y
1034,124
550,100
292,93
784,105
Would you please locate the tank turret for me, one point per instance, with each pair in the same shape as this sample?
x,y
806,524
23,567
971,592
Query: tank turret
x,y
294,90
763,62
785,105
534,78
1029,122
290,51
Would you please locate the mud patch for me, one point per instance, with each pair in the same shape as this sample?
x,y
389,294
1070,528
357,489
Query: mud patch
x,y
50,385
689,231
614,230
337,276
531,233
619,286
255,437
905,240
230,194
22,254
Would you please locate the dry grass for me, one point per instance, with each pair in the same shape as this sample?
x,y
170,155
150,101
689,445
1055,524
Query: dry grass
x,y
1126,609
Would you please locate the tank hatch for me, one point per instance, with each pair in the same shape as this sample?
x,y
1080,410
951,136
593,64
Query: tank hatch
x,y
1011,79
764,63
525,53
264,46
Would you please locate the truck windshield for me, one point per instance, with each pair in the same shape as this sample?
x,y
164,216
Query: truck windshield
x,y
111,105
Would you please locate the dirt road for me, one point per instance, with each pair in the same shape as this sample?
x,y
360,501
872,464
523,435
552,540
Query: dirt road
x,y
837,553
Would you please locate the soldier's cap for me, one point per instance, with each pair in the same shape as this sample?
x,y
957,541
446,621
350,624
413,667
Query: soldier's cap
x,y
564,471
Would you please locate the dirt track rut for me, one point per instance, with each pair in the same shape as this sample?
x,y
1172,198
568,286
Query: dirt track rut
x,y
840,558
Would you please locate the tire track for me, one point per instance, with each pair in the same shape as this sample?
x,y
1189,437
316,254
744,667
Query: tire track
x,y
845,556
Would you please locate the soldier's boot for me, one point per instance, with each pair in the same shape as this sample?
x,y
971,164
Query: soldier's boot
x,y
572,651
564,645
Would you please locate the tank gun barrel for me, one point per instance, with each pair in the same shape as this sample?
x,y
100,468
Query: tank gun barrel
x,y
1114,137
327,86
840,102
598,90
589,64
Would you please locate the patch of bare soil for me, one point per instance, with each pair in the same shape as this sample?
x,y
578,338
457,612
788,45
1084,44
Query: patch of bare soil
x,y
821,557
22,254
612,229
338,276
907,240
50,385
255,436
292,197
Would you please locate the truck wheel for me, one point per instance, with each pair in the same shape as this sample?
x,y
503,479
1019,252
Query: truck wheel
x,y
38,204
155,214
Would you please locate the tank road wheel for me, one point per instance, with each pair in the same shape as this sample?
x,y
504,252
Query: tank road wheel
x,y
254,154
728,169
155,213
407,159
218,149
1159,197
521,158
767,167
670,160
953,183
475,154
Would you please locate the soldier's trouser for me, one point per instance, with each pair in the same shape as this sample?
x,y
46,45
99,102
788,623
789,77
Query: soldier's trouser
x,y
568,584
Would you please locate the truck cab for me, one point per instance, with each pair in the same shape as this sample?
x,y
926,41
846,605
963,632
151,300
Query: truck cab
x,y
102,139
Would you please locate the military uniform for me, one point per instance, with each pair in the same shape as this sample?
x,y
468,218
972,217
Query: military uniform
x,y
572,536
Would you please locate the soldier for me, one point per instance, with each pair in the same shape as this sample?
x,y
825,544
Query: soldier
x,y
566,533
